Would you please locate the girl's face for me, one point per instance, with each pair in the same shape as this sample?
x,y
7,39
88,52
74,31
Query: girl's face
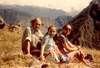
x,y
52,31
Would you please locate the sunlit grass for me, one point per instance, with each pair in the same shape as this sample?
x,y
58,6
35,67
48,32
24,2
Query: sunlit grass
x,y
94,52
11,54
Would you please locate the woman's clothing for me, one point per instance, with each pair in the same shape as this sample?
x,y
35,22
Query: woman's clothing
x,y
62,40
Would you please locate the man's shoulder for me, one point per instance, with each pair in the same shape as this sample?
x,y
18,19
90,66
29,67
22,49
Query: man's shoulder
x,y
29,27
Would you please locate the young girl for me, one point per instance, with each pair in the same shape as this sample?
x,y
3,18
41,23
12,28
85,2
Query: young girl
x,y
48,46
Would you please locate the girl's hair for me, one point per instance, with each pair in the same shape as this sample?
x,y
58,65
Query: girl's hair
x,y
50,28
55,38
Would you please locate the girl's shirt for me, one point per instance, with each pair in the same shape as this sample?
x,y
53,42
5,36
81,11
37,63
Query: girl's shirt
x,y
50,42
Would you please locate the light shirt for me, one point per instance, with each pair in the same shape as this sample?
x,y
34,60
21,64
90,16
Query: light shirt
x,y
32,36
50,42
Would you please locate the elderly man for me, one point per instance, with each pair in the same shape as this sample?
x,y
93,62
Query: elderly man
x,y
31,37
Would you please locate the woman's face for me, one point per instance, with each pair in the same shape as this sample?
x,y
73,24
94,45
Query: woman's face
x,y
52,31
67,30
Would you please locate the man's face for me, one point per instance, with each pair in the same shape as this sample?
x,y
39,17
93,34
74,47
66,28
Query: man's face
x,y
36,25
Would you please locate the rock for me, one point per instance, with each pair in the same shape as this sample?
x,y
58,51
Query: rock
x,y
86,26
35,63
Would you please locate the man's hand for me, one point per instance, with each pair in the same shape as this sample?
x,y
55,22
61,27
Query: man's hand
x,y
28,56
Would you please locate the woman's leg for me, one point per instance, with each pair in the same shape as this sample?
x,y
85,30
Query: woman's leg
x,y
72,54
80,55
82,58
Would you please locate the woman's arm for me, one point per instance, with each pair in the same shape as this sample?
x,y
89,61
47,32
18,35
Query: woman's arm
x,y
70,44
66,46
73,46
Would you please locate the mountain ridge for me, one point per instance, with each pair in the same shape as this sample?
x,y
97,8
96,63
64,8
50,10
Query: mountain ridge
x,y
86,26
39,11
12,16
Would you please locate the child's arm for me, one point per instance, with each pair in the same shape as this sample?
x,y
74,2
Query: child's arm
x,y
42,51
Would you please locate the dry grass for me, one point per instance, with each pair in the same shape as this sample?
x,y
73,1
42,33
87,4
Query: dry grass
x,y
95,53
11,55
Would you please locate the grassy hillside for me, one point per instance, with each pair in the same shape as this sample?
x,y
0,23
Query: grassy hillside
x,y
11,55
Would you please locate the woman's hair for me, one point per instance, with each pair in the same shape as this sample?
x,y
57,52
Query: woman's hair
x,y
66,26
